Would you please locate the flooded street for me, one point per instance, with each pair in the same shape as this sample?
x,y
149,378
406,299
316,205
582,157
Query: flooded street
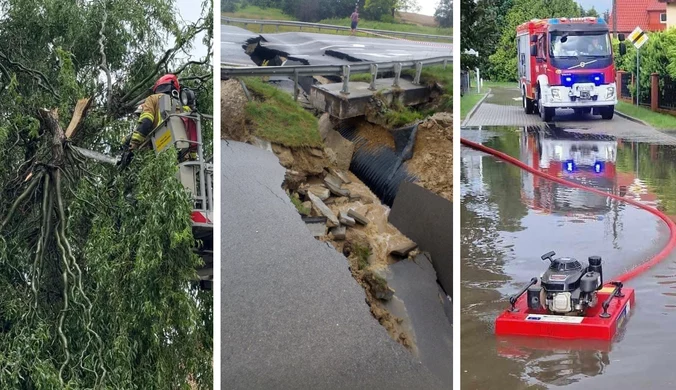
x,y
510,218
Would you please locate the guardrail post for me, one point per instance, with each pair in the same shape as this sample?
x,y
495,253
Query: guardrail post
x,y
445,61
397,73
346,80
418,71
374,76
261,27
276,27
295,84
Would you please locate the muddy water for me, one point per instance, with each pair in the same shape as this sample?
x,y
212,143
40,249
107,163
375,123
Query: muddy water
x,y
510,218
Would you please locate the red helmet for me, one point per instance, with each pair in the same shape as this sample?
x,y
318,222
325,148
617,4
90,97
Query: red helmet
x,y
167,79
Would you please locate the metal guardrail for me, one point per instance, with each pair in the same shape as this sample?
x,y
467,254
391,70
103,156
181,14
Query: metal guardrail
x,y
320,26
337,70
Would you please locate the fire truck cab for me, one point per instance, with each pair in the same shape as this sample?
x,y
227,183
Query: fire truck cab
x,y
567,63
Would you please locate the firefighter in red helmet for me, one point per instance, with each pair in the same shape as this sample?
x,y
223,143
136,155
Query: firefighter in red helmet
x,y
150,116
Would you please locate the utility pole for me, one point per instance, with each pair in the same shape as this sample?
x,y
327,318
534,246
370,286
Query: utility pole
x,y
615,19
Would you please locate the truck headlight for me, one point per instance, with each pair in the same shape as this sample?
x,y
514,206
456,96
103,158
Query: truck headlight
x,y
610,93
555,94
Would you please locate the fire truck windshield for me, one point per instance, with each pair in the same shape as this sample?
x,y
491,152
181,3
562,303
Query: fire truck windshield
x,y
570,44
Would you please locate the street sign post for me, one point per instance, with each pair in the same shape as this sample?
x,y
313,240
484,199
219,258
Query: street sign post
x,y
638,37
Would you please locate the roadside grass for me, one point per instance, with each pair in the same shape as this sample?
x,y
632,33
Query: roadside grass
x,y
363,253
298,204
654,119
278,118
469,100
403,27
253,12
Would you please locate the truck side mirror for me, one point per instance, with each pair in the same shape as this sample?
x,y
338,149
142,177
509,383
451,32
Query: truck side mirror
x,y
623,49
533,38
533,50
620,37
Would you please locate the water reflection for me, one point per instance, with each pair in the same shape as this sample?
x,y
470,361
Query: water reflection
x,y
510,217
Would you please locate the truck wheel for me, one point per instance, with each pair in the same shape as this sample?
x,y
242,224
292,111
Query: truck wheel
x,y
546,114
607,112
527,104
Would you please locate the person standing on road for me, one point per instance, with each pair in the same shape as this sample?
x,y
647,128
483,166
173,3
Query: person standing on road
x,y
355,20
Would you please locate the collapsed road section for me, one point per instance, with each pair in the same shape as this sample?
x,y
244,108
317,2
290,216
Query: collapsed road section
x,y
292,316
365,199
325,49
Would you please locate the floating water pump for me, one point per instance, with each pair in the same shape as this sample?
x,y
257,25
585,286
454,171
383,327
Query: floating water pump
x,y
564,303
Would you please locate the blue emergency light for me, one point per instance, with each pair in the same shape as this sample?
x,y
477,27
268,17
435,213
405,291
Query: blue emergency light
x,y
598,167
553,21
569,166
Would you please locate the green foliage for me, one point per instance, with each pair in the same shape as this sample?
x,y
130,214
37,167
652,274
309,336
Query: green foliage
x,y
390,26
444,13
363,252
375,9
278,118
96,266
134,319
658,55
502,61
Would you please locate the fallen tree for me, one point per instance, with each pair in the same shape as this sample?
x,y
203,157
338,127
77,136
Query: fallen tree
x,y
96,265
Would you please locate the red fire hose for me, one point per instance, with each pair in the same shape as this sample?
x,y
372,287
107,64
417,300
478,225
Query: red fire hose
x,y
627,275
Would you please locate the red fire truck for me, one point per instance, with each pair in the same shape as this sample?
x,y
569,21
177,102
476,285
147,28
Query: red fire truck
x,y
567,63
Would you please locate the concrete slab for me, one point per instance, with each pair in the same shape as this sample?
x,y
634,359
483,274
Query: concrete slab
x,y
323,209
346,219
358,217
427,219
330,99
415,284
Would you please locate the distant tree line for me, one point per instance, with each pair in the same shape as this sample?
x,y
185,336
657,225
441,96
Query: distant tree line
x,y
489,28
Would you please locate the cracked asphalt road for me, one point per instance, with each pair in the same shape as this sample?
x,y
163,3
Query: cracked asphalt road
x,y
292,315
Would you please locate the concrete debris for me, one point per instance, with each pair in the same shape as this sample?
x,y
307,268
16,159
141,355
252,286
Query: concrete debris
x,y
355,197
358,217
320,191
333,179
324,210
339,232
404,249
336,189
341,175
346,219
317,229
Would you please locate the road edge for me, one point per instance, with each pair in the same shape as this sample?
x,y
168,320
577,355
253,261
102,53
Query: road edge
x,y
476,107
635,120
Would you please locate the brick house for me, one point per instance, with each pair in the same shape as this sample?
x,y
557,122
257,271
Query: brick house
x,y
650,15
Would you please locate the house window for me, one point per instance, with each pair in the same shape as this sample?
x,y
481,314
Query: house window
x,y
663,18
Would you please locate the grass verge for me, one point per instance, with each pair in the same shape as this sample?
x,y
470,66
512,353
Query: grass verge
x,y
468,101
253,12
654,119
278,118
403,27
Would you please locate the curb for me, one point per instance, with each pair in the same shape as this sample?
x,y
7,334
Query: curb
x,y
635,120
476,107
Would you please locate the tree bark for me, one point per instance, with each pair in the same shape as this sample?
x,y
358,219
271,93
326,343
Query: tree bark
x,y
50,120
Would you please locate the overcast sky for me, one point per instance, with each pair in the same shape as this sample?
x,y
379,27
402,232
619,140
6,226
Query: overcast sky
x,y
599,5
190,11
427,7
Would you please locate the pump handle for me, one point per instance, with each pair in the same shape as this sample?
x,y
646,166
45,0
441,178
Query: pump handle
x,y
548,256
